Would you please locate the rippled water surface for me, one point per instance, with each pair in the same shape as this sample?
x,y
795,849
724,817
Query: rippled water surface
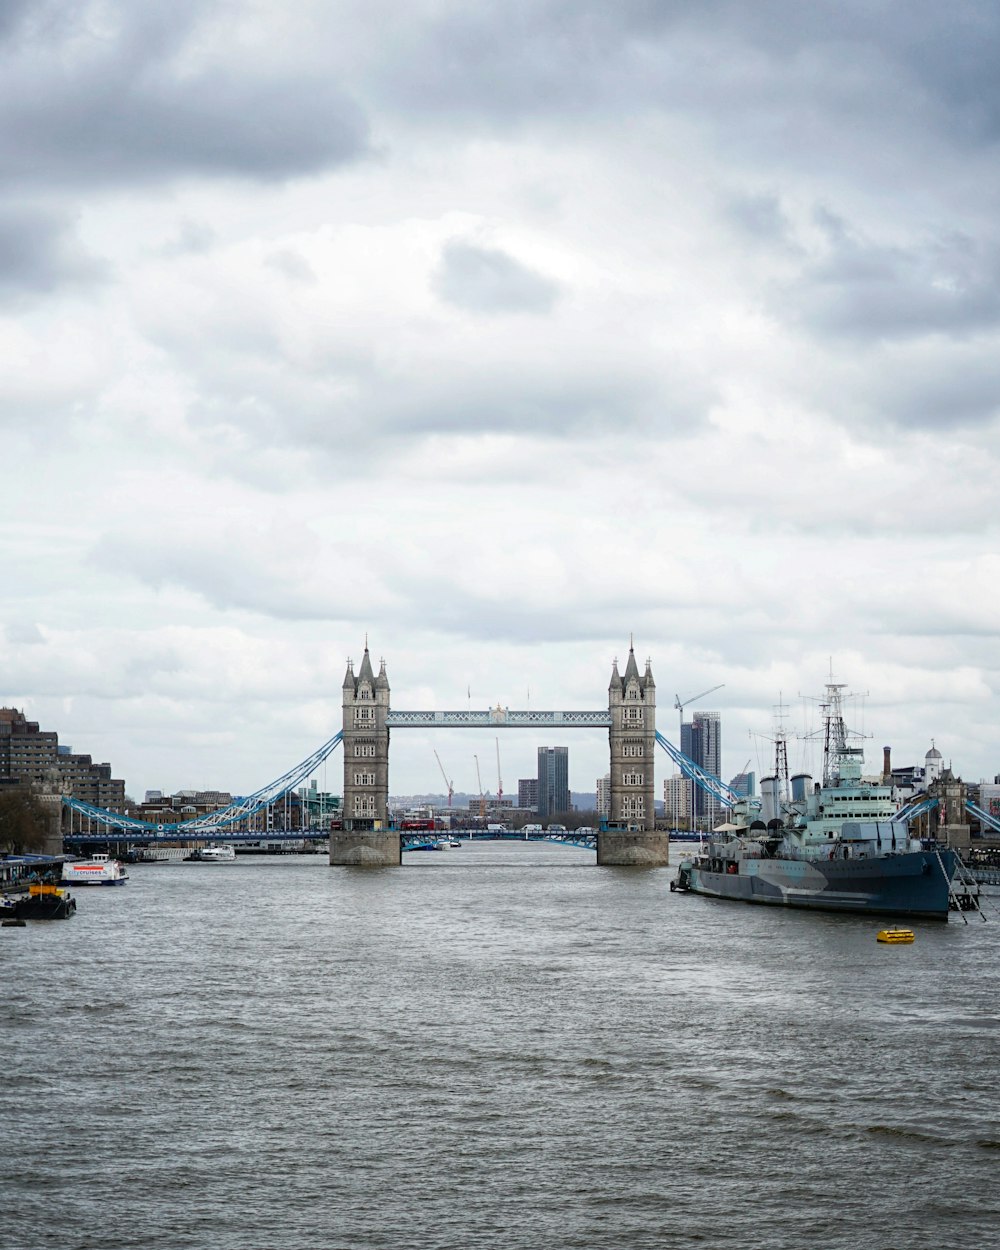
x,y
499,1046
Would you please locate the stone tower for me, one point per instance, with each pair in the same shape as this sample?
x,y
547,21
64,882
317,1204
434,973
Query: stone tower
x,y
951,792
631,837
366,747
632,704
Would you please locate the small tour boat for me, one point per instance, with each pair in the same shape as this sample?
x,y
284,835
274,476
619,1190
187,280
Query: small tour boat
x,y
98,870
895,935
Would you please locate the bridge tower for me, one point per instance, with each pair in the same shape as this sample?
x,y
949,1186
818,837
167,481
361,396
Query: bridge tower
x,y
366,837
631,837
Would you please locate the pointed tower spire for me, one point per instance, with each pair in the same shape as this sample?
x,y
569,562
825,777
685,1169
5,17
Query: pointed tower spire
x,y
365,671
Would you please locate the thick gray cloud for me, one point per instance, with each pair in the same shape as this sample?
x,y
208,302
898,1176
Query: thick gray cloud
x,y
934,388
488,280
123,93
24,633
947,284
38,253
751,61
761,216
539,322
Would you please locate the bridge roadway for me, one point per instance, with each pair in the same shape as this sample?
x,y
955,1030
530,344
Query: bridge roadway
x,y
410,840
136,837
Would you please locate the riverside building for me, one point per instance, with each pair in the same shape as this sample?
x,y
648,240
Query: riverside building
x,y
30,755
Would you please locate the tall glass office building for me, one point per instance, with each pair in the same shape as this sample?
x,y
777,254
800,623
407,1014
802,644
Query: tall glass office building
x,y
701,741
553,781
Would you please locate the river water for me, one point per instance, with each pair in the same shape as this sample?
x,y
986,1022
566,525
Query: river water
x,y
498,1046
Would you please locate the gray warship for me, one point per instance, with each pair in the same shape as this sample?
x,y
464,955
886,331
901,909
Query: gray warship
x,y
834,846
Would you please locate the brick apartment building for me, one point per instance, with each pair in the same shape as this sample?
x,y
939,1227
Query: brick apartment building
x,y
32,756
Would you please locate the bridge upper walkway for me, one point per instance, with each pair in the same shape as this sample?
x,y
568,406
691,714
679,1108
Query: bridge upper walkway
x,y
498,718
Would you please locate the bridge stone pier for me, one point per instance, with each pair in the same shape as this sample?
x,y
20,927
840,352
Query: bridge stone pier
x,y
630,840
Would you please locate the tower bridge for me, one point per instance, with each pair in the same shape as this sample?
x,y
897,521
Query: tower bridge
x,y
368,718
629,721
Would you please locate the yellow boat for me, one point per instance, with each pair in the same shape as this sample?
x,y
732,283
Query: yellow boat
x,y
895,935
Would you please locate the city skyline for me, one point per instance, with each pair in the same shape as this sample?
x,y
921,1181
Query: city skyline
x,y
505,338
458,750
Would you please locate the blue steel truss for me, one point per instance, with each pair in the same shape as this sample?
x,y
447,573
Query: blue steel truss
x,y
983,816
498,718
711,784
221,823
915,807
212,822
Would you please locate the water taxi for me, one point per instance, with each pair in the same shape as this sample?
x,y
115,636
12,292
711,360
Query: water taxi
x,y
212,855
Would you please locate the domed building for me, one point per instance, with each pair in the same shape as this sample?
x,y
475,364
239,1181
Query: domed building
x,y
933,765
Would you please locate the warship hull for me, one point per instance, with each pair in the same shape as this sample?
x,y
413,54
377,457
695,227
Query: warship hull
x,y
913,884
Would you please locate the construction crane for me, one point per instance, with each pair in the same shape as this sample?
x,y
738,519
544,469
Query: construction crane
x,y
449,784
693,699
499,778
482,801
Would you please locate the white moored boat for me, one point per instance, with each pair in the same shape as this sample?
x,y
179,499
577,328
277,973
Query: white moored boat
x,y
98,870
213,854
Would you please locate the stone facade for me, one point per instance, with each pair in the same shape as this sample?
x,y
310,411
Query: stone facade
x,y
366,748
632,850
632,704
366,849
953,828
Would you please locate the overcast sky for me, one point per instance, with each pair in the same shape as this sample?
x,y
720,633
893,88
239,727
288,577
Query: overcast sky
x,y
498,333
